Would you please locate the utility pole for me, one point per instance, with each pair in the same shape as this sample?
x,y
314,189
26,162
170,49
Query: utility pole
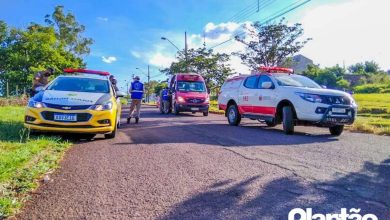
x,y
148,85
7,89
185,50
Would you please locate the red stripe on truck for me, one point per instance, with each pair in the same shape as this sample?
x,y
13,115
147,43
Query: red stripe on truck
x,y
264,110
222,107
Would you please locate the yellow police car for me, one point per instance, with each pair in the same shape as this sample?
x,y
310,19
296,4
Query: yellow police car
x,y
78,101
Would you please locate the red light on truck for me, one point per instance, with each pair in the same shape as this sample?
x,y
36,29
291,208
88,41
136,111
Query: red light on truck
x,y
276,70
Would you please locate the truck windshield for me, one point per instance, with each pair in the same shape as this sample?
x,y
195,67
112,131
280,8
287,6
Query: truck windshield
x,y
184,86
294,80
74,84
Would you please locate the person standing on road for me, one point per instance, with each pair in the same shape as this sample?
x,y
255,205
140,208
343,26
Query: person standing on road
x,y
165,100
41,79
137,92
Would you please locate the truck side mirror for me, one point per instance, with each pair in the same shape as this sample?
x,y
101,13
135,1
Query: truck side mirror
x,y
266,85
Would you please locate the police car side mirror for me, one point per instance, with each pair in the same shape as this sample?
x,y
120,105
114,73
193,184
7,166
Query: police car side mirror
x,y
323,86
266,85
120,94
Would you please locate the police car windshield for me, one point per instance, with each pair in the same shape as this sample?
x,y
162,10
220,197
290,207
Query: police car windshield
x,y
74,84
184,86
294,80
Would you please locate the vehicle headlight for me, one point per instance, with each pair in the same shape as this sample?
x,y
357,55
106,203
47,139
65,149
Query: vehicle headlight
x,y
35,104
310,97
180,99
102,107
207,99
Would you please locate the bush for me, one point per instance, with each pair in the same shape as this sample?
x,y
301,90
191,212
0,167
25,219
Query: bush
x,y
14,101
373,88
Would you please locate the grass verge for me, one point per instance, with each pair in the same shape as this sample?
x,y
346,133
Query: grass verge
x,y
373,114
23,159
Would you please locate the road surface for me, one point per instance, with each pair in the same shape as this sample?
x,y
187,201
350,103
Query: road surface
x,y
195,167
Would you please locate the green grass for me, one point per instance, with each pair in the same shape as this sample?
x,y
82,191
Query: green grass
x,y
373,113
23,159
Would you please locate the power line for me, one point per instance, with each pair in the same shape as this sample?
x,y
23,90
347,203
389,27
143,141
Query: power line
x,y
282,12
260,5
249,7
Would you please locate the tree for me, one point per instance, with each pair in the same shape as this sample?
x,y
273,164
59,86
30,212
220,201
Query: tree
x,y
69,31
331,77
371,67
160,86
23,52
150,87
366,68
357,68
270,44
212,66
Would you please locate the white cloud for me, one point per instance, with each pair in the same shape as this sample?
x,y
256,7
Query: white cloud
x,y
163,54
109,59
350,32
136,54
102,19
161,60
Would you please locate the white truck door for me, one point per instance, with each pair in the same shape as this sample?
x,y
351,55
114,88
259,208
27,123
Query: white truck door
x,y
264,102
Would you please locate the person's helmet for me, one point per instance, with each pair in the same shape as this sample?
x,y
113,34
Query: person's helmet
x,y
136,78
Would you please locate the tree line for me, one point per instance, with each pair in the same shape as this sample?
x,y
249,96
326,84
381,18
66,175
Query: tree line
x,y
58,43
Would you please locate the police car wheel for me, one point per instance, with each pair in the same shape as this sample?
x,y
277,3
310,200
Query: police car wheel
x,y
112,134
288,120
336,130
205,113
234,117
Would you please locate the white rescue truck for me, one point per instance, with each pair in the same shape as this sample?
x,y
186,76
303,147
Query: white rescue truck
x,y
277,95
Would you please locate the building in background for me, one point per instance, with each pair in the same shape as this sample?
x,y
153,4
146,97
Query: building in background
x,y
300,63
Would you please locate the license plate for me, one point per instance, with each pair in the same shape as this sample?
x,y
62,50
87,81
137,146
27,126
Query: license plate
x,y
65,117
194,109
339,110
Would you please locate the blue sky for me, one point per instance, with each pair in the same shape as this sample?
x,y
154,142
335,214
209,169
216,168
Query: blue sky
x,y
127,33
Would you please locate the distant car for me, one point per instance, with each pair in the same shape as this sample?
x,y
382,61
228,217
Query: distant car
x,y
276,95
78,101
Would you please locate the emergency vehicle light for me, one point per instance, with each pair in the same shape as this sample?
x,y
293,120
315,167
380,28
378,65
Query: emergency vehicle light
x,y
276,69
70,70
190,77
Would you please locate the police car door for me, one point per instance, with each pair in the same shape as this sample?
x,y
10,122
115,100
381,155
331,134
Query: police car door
x,y
264,101
247,95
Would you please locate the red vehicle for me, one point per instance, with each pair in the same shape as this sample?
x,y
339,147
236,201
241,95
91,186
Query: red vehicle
x,y
188,94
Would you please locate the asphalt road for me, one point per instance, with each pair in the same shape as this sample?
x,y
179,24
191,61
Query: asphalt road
x,y
195,167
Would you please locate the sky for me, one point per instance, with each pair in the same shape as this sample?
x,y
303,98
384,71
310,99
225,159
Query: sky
x,y
127,33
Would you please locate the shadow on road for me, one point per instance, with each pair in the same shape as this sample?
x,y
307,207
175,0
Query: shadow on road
x,y
155,128
368,190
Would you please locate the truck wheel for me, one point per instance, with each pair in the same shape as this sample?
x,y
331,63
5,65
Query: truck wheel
x,y
288,120
336,130
271,123
233,115
206,113
176,109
